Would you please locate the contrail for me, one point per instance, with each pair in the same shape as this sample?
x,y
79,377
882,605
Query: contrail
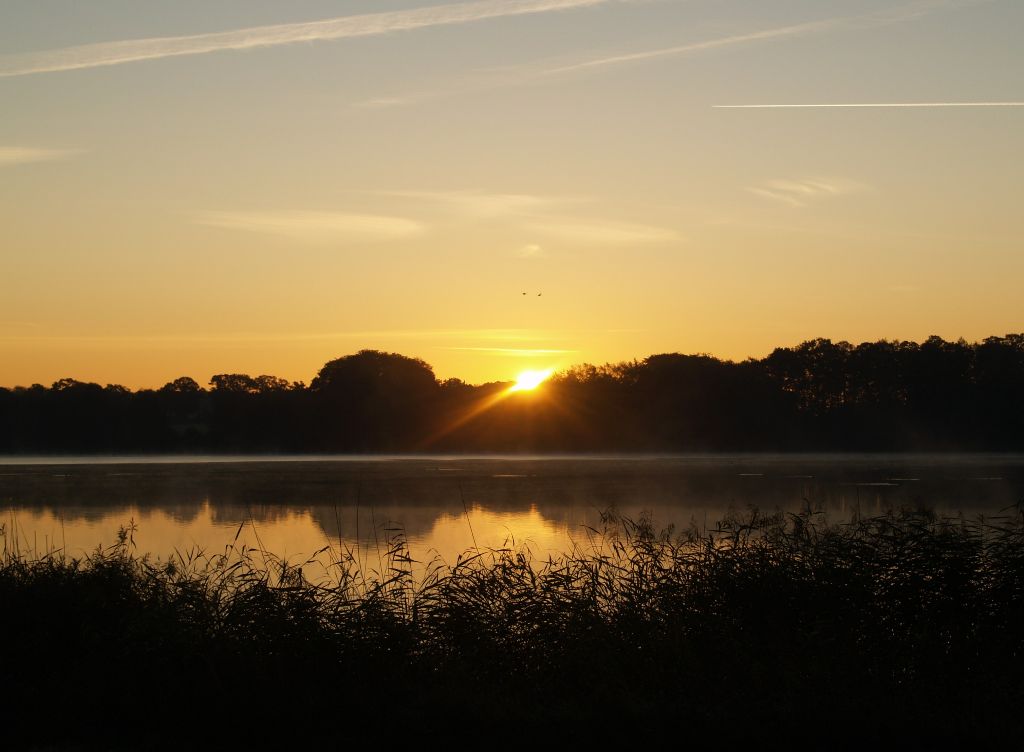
x,y
710,44
531,73
15,155
526,74
864,104
899,14
369,24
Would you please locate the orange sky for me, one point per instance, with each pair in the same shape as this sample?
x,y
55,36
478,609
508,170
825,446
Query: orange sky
x,y
176,200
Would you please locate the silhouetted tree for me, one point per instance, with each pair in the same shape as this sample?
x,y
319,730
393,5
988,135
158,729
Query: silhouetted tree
x,y
238,383
819,395
373,400
182,385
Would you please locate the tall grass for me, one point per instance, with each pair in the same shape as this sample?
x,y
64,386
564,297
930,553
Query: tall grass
x,y
766,624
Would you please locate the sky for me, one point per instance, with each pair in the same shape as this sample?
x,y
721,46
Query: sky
x,y
253,186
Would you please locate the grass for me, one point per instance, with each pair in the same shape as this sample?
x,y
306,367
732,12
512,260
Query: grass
x,y
769,627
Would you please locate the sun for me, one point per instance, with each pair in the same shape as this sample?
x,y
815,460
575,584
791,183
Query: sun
x,y
528,380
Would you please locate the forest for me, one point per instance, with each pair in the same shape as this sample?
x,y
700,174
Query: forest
x,y
821,395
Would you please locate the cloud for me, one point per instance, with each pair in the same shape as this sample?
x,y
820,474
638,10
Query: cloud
x,y
262,338
531,250
539,214
797,193
370,24
534,72
868,20
603,233
486,205
315,227
15,155
516,352
708,44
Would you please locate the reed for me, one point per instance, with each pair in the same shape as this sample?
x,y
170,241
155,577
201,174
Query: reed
x,y
767,623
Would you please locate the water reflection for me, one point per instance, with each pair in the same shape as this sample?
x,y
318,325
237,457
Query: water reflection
x,y
445,506
447,536
289,535
161,531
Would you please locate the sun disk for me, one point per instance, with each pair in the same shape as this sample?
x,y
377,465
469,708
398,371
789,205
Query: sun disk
x,y
530,380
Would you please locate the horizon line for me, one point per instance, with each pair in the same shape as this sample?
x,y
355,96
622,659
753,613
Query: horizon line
x,y
1014,336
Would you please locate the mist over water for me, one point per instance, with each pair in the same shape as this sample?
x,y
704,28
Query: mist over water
x,y
292,507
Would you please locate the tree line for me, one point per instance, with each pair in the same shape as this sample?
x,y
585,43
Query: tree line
x,y
817,396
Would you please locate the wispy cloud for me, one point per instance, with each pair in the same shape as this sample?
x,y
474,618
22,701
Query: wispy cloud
x,y
530,250
15,155
864,104
516,352
315,227
262,338
797,193
534,72
551,216
603,233
702,46
483,205
885,17
370,24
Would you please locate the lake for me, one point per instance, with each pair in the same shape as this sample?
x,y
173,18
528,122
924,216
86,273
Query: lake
x,y
445,505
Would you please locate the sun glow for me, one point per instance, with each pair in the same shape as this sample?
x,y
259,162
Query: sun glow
x,y
528,380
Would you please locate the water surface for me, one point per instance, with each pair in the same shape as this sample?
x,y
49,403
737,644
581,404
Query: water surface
x,y
445,505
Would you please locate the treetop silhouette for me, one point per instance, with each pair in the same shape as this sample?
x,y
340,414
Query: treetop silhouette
x,y
818,396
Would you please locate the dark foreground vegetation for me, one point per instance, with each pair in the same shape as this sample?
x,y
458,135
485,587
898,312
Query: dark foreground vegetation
x,y
819,396
775,628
